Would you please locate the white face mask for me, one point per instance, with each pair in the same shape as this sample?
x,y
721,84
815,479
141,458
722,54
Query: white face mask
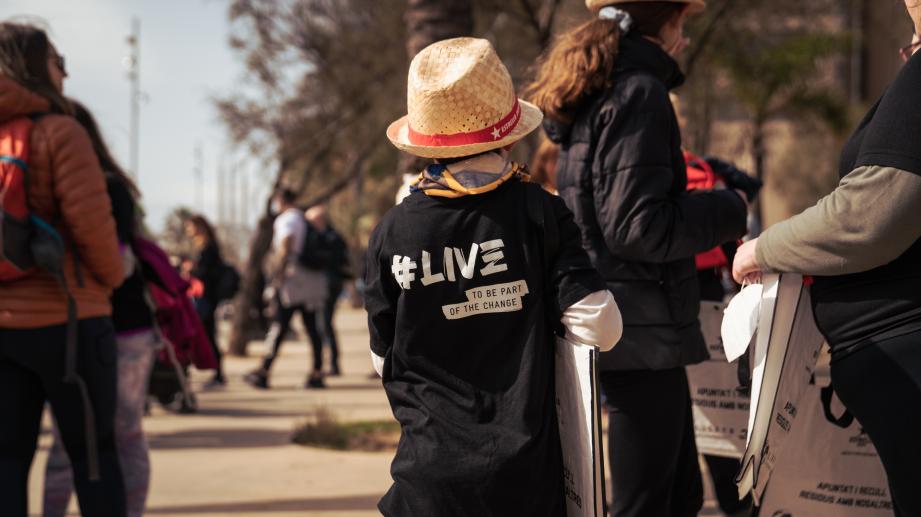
x,y
740,321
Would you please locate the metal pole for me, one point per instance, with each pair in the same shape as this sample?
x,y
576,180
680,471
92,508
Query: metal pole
x,y
199,178
134,75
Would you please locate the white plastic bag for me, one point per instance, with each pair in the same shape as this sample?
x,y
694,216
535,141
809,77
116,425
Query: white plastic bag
x,y
740,321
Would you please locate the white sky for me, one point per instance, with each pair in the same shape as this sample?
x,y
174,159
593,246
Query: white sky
x,y
184,61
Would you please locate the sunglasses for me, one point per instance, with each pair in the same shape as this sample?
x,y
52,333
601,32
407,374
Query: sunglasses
x,y
909,50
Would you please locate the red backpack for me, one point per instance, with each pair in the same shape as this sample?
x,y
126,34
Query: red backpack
x,y
702,177
16,258
26,241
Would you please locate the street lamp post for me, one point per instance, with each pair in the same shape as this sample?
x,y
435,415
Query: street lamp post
x,y
133,62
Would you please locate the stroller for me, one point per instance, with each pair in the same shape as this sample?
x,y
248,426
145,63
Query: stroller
x,y
178,328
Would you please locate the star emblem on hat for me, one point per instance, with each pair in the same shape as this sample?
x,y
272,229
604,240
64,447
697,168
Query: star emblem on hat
x,y
495,133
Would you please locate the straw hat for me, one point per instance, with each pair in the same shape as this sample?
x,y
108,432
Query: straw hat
x,y
695,6
461,102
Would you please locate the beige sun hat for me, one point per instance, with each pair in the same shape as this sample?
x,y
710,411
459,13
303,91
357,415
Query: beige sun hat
x,y
461,101
695,6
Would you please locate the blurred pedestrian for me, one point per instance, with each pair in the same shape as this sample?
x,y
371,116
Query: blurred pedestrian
x,y
863,245
206,276
293,289
468,279
604,87
57,340
333,248
135,339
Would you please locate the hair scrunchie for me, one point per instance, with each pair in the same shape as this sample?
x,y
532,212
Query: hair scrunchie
x,y
623,18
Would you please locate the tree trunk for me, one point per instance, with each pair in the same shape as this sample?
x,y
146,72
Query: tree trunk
x,y
428,21
247,313
248,320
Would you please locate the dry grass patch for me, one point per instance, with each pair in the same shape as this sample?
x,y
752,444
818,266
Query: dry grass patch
x,y
323,429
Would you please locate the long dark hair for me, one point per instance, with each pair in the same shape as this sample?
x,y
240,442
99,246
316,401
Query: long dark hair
x,y
106,160
203,226
24,53
581,62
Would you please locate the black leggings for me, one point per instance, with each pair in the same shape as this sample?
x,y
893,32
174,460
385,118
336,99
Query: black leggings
x,y
881,386
206,310
280,327
31,373
329,331
651,448
723,471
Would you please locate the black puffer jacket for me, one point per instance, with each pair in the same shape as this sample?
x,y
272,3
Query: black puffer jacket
x,y
622,173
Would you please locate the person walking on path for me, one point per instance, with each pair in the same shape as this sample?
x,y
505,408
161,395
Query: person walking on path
x,y
604,87
335,252
862,243
136,342
294,289
206,274
57,343
465,291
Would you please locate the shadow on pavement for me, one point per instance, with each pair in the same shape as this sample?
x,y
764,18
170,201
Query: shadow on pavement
x,y
359,502
224,409
219,439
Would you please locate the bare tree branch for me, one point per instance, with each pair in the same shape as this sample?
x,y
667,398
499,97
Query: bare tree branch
x,y
700,45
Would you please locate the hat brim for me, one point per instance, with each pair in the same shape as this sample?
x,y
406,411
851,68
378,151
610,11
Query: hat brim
x,y
398,133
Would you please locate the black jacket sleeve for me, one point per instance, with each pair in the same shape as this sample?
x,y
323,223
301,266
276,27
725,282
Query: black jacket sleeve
x,y
381,296
642,215
208,263
572,274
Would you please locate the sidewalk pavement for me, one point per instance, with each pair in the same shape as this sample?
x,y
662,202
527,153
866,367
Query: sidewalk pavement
x,y
235,458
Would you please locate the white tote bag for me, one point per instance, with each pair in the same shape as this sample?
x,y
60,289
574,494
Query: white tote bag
x,y
784,356
719,403
829,467
579,415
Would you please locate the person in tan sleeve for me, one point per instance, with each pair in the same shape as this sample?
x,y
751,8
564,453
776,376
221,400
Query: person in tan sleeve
x,y
65,188
862,243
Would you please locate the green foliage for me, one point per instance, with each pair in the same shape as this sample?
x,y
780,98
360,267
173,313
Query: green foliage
x,y
773,77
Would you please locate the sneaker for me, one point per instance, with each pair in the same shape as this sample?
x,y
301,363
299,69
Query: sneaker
x,y
315,381
217,381
257,379
335,371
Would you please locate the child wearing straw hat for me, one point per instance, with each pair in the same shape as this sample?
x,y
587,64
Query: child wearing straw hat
x,y
468,279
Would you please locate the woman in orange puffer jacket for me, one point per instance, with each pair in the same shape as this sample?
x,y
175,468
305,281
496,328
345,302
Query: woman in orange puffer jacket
x,y
66,188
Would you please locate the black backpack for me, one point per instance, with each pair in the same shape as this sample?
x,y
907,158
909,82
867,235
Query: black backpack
x,y
321,254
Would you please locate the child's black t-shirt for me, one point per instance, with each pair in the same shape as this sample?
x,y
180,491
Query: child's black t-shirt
x,y
463,308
